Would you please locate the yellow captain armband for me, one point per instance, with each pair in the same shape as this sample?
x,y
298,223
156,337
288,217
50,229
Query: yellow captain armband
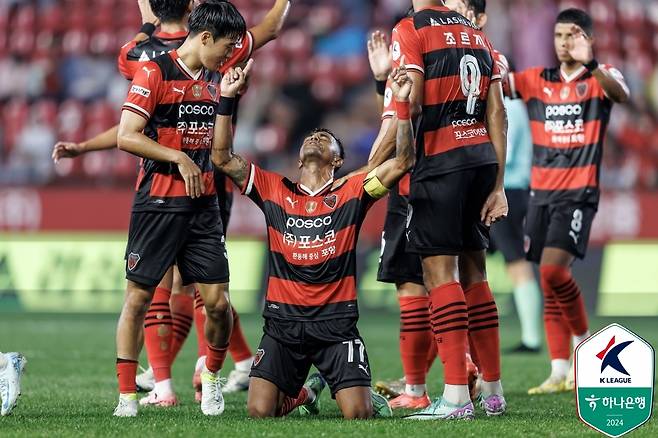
x,y
373,186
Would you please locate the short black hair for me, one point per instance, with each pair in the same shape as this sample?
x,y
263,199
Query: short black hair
x,y
341,149
219,17
578,17
169,11
478,6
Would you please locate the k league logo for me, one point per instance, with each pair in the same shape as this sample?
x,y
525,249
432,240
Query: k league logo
x,y
614,380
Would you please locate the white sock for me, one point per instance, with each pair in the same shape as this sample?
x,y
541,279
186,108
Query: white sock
x,y
244,365
578,339
456,394
3,361
491,388
415,390
559,368
164,388
200,362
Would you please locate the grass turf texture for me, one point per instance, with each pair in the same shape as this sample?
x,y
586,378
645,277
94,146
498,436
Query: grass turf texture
x,y
70,388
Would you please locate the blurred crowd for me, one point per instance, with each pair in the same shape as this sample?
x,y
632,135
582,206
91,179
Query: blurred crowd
x,y
59,81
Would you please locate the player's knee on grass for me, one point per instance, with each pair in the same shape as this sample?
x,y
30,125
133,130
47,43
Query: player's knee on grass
x,y
355,403
261,409
263,398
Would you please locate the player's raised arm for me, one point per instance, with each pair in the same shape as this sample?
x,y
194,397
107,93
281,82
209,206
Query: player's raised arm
x,y
222,154
379,58
390,172
272,23
611,80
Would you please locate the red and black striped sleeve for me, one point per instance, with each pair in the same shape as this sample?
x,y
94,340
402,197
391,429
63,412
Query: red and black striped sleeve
x,y
407,43
523,84
144,90
126,66
261,185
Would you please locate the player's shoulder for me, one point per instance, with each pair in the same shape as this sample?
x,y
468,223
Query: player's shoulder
x,y
550,74
406,24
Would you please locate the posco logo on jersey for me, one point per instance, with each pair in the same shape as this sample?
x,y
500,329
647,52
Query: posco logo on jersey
x,y
463,123
563,110
205,110
308,223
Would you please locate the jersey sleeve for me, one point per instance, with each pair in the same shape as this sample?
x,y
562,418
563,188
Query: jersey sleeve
x,y
261,185
126,66
144,90
406,42
243,50
389,106
522,84
500,67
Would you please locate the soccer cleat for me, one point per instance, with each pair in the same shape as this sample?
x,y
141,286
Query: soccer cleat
x,y
391,388
569,381
145,380
152,399
237,381
212,400
440,409
552,385
380,406
10,381
196,378
406,401
493,405
315,384
127,406
523,349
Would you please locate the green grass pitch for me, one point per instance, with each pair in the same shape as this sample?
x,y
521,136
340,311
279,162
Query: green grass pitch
x,y
70,388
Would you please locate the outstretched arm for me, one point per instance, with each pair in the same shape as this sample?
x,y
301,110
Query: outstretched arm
x,y
270,27
103,141
222,154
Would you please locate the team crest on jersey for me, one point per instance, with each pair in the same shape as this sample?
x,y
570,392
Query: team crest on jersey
x,y
311,206
197,90
133,259
581,89
259,356
330,200
565,92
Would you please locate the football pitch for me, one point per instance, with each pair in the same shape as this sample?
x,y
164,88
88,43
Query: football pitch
x,y
70,388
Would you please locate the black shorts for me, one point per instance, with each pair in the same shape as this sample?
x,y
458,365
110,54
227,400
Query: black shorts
x,y
289,348
193,241
396,265
444,212
563,225
507,235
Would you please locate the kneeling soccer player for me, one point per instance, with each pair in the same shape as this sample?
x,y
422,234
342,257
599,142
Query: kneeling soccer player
x,y
311,310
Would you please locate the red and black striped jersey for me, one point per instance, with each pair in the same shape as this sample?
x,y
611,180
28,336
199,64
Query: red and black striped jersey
x,y
179,107
456,60
568,120
134,54
312,240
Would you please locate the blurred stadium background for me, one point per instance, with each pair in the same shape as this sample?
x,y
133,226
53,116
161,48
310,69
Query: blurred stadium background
x,y
63,227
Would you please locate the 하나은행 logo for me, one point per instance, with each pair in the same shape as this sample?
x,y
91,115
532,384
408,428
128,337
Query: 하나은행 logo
x,y
614,380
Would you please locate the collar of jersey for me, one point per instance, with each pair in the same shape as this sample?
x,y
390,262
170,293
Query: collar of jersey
x,y
310,192
185,69
172,36
573,76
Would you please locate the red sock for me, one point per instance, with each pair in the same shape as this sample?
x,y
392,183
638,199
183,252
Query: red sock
x,y
449,322
158,334
126,373
568,297
215,358
200,324
483,329
237,344
558,335
290,403
182,313
415,337
430,356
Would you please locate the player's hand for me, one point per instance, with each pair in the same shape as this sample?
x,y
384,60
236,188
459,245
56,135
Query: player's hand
x,y
401,83
234,79
194,186
66,149
580,46
379,55
495,208
147,13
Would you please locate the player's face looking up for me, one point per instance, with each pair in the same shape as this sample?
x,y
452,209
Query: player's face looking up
x,y
320,146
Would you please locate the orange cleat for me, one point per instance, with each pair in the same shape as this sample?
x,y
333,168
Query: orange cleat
x,y
406,401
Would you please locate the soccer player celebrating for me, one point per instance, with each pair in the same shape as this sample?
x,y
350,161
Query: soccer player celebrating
x,y
173,309
168,120
457,181
11,371
310,308
569,108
